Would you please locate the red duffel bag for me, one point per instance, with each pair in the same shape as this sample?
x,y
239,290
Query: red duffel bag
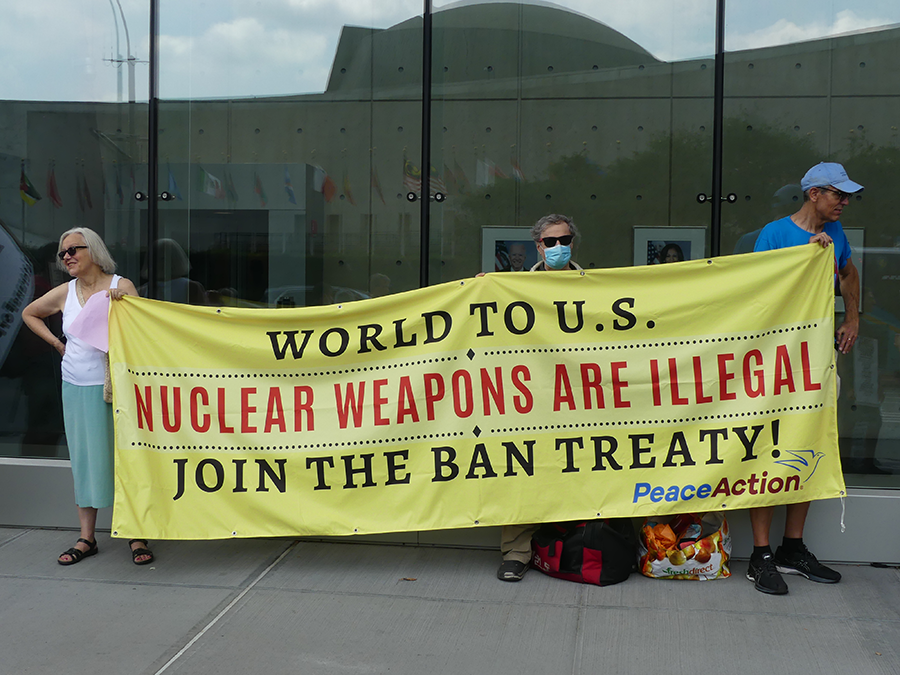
x,y
601,552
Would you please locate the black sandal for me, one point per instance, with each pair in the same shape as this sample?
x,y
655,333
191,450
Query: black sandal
x,y
137,552
76,554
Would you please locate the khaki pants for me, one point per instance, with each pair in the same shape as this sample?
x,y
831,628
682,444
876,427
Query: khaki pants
x,y
515,542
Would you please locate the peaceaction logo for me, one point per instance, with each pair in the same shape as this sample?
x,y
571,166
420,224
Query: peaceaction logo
x,y
802,462
755,485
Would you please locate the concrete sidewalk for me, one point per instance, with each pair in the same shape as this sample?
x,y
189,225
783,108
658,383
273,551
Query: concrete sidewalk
x,y
280,606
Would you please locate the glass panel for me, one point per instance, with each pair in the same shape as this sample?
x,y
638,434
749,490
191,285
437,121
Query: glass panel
x,y
283,135
72,154
809,82
599,111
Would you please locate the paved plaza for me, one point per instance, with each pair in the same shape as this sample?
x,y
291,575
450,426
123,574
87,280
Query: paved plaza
x,y
284,606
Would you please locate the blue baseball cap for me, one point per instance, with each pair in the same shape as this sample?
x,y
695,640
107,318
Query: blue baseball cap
x,y
824,174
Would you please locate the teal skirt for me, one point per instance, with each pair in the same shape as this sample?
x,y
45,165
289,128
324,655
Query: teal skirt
x,y
89,433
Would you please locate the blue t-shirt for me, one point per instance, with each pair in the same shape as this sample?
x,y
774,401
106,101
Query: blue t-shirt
x,y
784,233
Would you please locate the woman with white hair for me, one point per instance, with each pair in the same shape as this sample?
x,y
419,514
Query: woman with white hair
x,y
87,417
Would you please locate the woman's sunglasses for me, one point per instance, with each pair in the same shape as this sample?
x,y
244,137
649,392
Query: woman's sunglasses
x,y
550,242
70,251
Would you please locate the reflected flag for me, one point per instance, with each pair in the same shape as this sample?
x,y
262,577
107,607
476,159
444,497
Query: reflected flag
x,y
376,185
436,183
348,193
288,188
258,189
229,188
322,183
484,176
450,179
319,178
516,171
52,188
501,257
329,189
173,186
27,191
209,184
486,171
412,177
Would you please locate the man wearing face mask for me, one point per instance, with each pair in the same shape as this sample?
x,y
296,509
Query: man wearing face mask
x,y
554,236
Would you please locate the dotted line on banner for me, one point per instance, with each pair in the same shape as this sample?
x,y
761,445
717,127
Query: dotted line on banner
x,y
405,364
425,437
685,420
649,345
307,446
238,376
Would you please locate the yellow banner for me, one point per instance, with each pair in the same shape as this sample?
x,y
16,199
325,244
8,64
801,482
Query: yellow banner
x,y
510,398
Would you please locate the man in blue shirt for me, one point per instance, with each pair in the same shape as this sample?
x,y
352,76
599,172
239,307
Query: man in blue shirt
x,y
826,191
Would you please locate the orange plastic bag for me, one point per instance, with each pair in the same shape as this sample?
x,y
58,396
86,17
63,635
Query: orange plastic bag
x,y
685,547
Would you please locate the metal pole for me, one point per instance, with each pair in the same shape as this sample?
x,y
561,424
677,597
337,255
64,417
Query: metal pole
x,y
130,57
153,151
425,206
118,60
715,242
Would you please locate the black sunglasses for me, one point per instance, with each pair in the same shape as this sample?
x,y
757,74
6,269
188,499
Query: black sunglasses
x,y
840,194
550,242
71,251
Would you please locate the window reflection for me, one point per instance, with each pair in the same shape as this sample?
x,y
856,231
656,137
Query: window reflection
x,y
29,367
781,74
289,168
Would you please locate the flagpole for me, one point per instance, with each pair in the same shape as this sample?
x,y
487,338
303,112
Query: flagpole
x,y
425,208
118,60
130,59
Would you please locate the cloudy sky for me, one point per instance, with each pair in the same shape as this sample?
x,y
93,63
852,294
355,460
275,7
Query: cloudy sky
x,y
67,49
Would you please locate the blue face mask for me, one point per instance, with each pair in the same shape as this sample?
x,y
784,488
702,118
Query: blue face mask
x,y
558,256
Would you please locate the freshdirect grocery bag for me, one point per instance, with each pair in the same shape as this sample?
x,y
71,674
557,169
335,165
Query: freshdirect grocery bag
x,y
685,547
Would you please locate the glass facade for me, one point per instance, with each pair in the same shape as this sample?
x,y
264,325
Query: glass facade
x,y
290,139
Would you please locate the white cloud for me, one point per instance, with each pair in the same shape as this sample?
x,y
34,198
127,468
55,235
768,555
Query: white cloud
x,y
61,49
784,31
262,49
370,13
54,50
243,58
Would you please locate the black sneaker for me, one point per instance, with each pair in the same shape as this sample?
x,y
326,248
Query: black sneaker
x,y
764,575
804,563
512,570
